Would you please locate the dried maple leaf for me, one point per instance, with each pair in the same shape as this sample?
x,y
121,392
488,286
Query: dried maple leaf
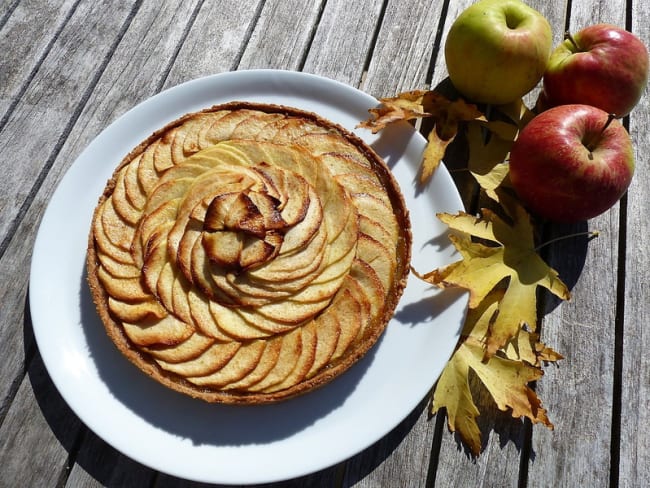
x,y
510,260
506,379
445,114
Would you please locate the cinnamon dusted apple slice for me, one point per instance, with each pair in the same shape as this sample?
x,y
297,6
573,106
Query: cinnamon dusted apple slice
x,y
241,364
266,363
305,360
187,350
212,359
168,330
287,361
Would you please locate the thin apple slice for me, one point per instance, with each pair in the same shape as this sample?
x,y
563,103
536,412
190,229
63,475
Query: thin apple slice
x,y
342,163
168,330
121,203
349,314
379,257
132,189
187,350
115,268
105,245
328,330
287,361
304,362
146,310
147,174
222,129
375,293
212,359
203,134
374,209
130,290
266,363
243,324
322,143
359,183
251,126
241,364
203,318
185,141
117,230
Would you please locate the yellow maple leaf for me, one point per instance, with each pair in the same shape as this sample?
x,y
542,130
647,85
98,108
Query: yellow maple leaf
x,y
497,253
506,379
446,115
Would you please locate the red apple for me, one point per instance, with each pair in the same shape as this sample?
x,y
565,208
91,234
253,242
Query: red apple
x,y
602,65
571,163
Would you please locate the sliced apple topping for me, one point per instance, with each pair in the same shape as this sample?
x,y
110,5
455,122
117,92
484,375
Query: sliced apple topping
x,y
247,251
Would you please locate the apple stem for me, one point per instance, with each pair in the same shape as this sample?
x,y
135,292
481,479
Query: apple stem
x,y
590,235
569,37
593,141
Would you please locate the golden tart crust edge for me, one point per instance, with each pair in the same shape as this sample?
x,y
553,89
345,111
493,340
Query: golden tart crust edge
x,y
175,382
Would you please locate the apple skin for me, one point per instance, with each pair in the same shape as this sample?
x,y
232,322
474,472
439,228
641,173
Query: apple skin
x,y
568,164
496,51
603,66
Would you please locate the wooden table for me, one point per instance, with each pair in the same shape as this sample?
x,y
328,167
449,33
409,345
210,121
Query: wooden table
x,y
70,67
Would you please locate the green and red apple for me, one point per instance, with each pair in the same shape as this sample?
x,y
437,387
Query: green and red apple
x,y
497,50
601,65
571,163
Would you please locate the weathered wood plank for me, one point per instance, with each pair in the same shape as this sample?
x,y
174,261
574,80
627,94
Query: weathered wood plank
x,y
382,464
402,54
215,41
28,141
579,393
37,433
281,35
343,40
634,454
25,38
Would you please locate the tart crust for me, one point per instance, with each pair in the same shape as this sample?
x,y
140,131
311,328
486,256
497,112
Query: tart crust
x,y
287,121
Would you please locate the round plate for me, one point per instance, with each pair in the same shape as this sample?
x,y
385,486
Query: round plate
x,y
188,438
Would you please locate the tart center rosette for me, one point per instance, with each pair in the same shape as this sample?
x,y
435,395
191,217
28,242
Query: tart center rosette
x,y
238,268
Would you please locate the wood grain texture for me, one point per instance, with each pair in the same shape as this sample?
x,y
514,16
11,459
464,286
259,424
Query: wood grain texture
x,y
82,64
579,393
634,453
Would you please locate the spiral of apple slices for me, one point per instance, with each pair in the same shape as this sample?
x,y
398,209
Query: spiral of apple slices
x,y
246,251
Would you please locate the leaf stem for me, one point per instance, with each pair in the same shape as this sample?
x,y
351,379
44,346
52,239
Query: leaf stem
x,y
590,235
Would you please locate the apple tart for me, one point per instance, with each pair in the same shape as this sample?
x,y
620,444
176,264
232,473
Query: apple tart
x,y
248,253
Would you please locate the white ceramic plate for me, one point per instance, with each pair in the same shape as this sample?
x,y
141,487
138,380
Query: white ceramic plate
x,y
233,444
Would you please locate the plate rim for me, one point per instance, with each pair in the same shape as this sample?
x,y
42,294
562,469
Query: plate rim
x,y
150,103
